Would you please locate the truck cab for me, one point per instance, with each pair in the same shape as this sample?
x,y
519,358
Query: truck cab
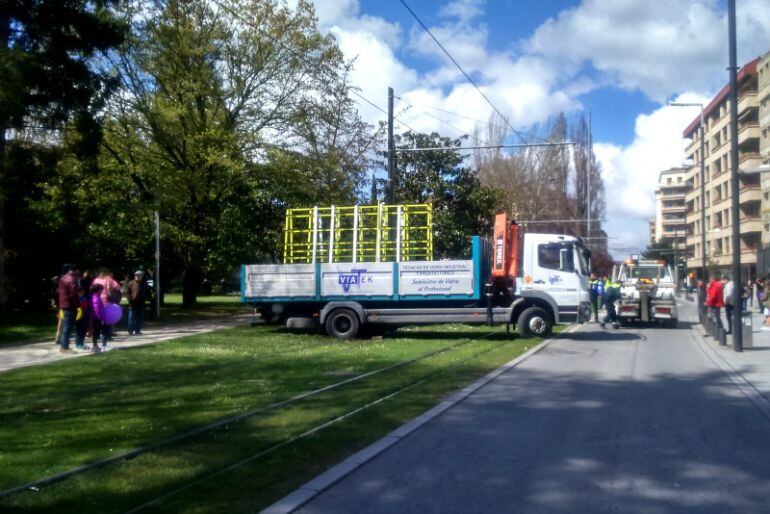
x,y
555,267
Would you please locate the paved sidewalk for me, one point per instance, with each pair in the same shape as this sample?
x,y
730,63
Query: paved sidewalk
x,y
753,364
12,357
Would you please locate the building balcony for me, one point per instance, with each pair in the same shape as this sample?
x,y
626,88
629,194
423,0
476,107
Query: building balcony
x,y
750,194
748,160
674,210
673,195
747,101
751,225
748,131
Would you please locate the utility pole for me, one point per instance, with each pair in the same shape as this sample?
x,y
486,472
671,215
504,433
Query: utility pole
x,y
391,149
737,327
157,264
588,175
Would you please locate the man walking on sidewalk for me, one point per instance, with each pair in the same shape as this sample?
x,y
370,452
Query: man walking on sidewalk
x,y
69,300
137,297
727,295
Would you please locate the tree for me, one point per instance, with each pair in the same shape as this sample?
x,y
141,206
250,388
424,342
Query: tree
x,y
46,78
229,112
539,184
462,207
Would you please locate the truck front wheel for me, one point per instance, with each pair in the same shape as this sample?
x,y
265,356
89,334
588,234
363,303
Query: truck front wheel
x,y
534,322
342,324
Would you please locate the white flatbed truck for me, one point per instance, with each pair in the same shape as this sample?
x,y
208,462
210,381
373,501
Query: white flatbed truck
x,y
531,281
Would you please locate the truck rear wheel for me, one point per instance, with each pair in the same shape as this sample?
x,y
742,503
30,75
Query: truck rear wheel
x,y
342,324
534,322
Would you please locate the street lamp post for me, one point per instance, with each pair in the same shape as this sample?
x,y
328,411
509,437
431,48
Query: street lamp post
x,y
702,159
737,327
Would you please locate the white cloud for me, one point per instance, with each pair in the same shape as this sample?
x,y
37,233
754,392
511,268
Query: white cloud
x,y
463,10
661,47
631,173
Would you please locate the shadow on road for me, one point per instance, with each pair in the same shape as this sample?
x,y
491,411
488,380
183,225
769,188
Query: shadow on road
x,y
602,335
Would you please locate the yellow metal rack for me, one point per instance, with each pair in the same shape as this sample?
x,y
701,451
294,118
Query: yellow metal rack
x,y
359,233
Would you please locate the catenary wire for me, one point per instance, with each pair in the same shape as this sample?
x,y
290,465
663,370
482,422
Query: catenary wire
x,y
470,80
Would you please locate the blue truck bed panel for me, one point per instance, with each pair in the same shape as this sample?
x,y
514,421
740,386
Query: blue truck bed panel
x,y
388,281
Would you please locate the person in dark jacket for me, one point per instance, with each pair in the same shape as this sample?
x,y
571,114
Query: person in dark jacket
x,y
137,292
69,300
611,295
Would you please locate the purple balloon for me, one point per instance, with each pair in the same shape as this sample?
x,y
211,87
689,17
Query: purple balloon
x,y
112,314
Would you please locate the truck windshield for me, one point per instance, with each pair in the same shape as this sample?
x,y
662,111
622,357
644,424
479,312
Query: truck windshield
x,y
581,259
650,273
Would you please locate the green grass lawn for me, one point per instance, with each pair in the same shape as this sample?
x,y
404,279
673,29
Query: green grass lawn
x,y
58,416
35,326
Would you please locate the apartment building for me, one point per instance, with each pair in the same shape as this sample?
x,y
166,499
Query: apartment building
x,y
671,208
718,195
763,97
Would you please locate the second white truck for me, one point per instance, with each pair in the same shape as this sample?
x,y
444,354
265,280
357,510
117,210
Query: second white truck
x,y
647,293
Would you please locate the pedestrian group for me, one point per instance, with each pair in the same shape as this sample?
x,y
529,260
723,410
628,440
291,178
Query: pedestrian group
x,y
89,306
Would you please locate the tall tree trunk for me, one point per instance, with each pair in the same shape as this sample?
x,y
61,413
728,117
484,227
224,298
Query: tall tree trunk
x,y
191,281
4,285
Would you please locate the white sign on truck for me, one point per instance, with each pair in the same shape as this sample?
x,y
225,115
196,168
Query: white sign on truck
x,y
279,280
435,278
357,279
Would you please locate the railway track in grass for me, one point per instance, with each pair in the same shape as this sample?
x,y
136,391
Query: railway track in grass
x,y
225,423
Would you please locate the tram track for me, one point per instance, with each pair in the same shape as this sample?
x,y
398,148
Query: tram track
x,y
315,429
37,485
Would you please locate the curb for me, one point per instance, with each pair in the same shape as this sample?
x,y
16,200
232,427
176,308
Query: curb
x,y
325,480
736,377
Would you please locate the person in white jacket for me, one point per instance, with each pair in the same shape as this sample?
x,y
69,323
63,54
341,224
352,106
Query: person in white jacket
x,y
729,288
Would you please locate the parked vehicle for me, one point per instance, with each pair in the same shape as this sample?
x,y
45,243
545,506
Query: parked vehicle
x,y
531,281
648,292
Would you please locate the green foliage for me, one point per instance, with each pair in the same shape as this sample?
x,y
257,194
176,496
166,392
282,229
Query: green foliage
x,y
661,250
47,80
462,207
224,117
45,72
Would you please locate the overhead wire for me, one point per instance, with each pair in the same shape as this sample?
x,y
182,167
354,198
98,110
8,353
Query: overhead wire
x,y
448,124
420,104
468,77
395,118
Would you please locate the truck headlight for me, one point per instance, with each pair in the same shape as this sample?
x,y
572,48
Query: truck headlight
x,y
664,292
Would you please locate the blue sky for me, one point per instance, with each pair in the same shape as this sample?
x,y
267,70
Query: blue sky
x,y
623,59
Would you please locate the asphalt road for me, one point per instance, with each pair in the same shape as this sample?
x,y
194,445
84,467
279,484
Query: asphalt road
x,y
637,420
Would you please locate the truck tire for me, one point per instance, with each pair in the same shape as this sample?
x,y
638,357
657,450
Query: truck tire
x,y
534,322
342,324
